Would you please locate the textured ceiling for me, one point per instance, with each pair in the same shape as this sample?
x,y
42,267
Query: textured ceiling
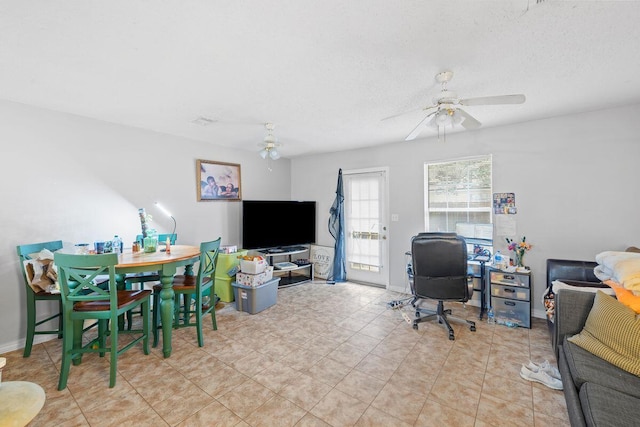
x,y
324,72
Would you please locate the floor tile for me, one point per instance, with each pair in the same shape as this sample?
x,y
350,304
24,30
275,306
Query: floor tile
x,y
276,376
516,390
246,398
221,382
400,402
451,388
214,413
361,386
310,420
277,411
347,354
499,412
373,417
339,409
377,367
305,391
322,356
434,414
329,371
179,407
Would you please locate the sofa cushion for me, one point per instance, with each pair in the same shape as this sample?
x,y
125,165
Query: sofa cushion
x,y
585,367
612,332
625,296
571,396
605,407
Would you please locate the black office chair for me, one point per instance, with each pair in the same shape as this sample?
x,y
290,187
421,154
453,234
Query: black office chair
x,y
439,262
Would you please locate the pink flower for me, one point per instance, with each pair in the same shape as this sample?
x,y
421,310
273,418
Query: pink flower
x,y
519,247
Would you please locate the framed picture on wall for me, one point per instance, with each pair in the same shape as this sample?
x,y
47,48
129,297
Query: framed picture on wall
x,y
217,181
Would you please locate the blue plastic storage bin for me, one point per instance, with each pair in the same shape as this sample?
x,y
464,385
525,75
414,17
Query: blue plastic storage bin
x,y
255,299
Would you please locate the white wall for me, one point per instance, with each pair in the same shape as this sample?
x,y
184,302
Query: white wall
x,y
575,179
76,179
80,180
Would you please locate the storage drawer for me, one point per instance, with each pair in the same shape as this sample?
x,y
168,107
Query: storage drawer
x,y
512,292
510,279
512,310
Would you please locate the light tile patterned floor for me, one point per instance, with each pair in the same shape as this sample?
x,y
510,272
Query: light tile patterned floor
x,y
323,355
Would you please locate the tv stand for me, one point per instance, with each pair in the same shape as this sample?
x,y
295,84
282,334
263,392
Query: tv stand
x,y
271,251
290,276
284,250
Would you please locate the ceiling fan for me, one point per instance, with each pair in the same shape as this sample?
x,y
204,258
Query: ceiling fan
x,y
447,111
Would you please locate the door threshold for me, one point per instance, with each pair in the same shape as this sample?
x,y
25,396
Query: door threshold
x,y
373,285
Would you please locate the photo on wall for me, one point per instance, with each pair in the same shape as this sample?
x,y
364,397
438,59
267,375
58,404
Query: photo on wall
x,y
218,181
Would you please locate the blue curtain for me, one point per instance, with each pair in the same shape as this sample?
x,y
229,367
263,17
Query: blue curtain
x,y
336,228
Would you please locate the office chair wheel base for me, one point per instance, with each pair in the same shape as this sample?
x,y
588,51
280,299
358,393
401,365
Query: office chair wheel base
x,y
415,326
472,328
451,336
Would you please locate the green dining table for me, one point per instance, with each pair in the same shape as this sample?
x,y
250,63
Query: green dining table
x,y
166,264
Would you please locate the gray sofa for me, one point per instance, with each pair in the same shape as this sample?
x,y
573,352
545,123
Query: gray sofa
x,y
597,393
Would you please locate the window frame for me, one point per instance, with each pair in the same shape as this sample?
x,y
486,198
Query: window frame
x,y
485,194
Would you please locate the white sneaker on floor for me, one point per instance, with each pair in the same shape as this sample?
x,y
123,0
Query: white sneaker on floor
x,y
541,377
544,367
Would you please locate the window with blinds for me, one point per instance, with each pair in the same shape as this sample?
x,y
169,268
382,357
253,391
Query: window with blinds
x,y
457,191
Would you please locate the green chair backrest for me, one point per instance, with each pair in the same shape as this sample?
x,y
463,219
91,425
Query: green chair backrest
x,y
77,275
161,238
208,257
25,252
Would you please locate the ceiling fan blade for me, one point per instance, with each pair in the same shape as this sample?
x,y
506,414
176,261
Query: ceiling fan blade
x,y
407,112
416,131
494,100
469,122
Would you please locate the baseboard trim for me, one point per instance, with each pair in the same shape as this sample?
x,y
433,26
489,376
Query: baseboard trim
x,y
19,344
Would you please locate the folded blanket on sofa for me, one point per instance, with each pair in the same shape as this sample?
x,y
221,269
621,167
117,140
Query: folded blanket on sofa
x,y
621,267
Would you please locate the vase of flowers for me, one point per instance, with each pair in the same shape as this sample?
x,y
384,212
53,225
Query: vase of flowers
x,y
519,249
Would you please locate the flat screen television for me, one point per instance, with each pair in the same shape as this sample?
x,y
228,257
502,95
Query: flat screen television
x,y
277,223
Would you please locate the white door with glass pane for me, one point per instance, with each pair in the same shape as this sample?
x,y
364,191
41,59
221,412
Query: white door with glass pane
x,y
365,208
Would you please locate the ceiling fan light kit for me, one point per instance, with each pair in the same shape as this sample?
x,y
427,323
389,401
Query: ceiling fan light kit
x,y
269,146
448,112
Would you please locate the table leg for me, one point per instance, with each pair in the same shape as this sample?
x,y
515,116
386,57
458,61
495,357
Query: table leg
x,y
120,285
166,312
77,326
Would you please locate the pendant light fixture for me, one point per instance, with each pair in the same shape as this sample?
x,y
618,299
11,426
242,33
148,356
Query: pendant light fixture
x,y
269,146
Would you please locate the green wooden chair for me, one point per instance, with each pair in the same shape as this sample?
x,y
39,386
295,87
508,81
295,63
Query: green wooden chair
x,y
82,299
189,289
24,253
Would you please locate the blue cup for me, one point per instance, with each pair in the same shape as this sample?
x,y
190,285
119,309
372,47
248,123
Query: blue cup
x,y
99,247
